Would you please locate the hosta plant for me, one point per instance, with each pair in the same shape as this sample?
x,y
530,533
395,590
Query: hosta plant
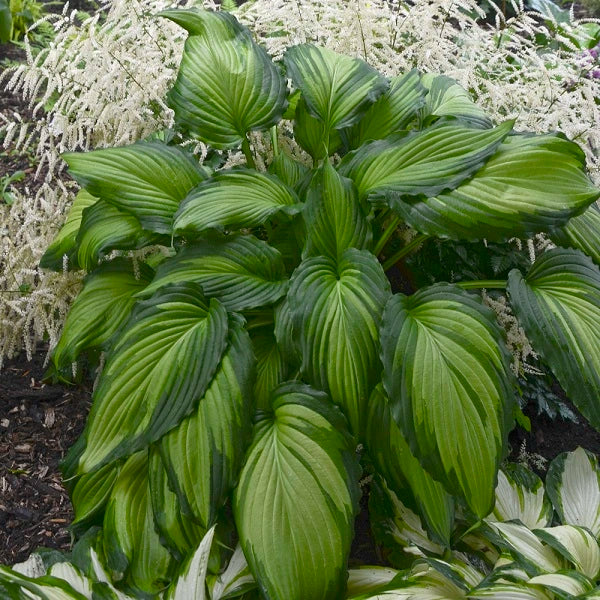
x,y
248,359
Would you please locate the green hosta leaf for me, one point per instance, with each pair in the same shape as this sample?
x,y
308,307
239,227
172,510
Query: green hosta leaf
x,y
336,309
532,184
131,544
147,179
582,232
227,85
65,241
312,134
575,544
567,584
241,271
157,371
271,368
101,308
234,199
573,484
446,98
392,112
394,460
337,89
446,372
204,454
103,228
422,163
558,306
520,496
6,23
288,170
297,497
335,220
235,580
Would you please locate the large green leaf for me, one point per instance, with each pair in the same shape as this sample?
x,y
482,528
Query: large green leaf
x,y
337,89
204,454
558,305
532,184
156,373
422,163
313,135
271,368
234,199
335,220
446,372
582,232
241,271
131,543
147,179
227,84
5,21
336,308
403,472
392,112
297,498
100,309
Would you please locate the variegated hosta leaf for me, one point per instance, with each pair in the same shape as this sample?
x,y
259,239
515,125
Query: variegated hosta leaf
x,y
73,576
204,454
365,579
423,163
531,184
271,367
101,308
232,200
392,111
47,588
227,84
520,496
573,484
447,375
337,89
566,584
147,179
526,548
336,309
313,135
235,580
297,498
65,241
131,544
575,544
156,373
394,460
240,270
558,306
581,232
335,219
509,591
446,98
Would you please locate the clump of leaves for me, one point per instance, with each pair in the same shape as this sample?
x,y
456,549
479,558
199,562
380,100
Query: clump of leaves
x,y
243,369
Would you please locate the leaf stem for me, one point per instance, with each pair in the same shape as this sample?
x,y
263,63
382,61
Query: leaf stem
x,y
274,141
497,284
389,230
248,153
390,262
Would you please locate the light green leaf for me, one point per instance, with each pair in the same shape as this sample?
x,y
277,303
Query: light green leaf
x,y
295,520
423,163
446,98
337,89
520,496
65,241
147,179
313,135
365,579
242,271
46,588
234,199
235,580
582,232
558,306
335,220
287,170
131,544
227,84
447,374
392,112
575,544
570,583
508,591
573,484
404,474
73,576
101,308
531,184
271,367
336,309
156,373
204,454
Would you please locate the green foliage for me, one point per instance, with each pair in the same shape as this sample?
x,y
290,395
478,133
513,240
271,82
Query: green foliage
x,y
16,16
243,371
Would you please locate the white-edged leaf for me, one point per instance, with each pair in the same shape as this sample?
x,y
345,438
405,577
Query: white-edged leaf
x,y
570,583
73,576
235,580
509,591
365,579
44,588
